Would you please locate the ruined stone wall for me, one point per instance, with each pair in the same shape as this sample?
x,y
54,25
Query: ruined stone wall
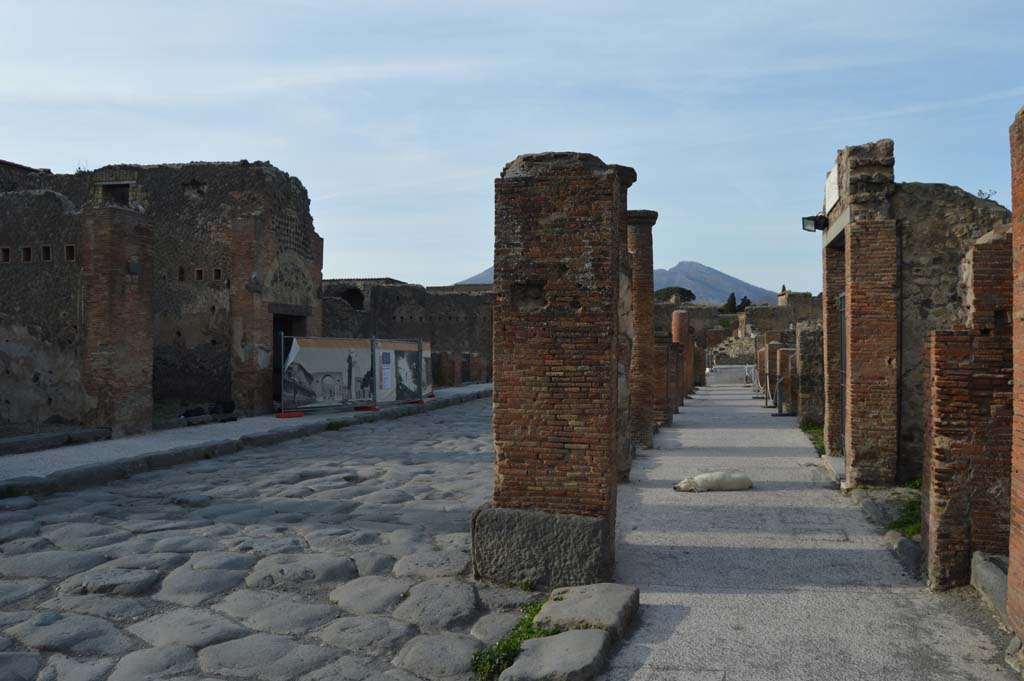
x,y
702,318
968,429
233,245
785,368
799,307
454,319
41,319
937,225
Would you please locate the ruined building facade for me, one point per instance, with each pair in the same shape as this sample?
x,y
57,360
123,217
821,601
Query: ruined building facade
x,y
891,256
134,286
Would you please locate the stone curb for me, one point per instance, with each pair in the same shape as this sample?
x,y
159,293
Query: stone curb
x,y
24,444
96,474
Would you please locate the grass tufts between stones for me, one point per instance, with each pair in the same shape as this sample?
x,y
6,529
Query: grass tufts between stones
x,y
908,522
816,433
490,662
336,425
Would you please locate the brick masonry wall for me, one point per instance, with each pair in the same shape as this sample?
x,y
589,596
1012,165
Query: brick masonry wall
x,y
833,258
641,368
965,486
1015,600
810,369
872,349
662,366
785,368
556,273
681,336
117,354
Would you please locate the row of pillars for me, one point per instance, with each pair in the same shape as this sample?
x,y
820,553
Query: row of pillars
x,y
575,367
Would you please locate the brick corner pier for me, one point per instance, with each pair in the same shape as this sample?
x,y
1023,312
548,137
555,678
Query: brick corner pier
x,y
557,265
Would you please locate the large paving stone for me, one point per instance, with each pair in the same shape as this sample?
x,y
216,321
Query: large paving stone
x,y
71,634
276,613
106,607
13,590
348,668
55,564
439,657
495,626
187,627
427,564
83,536
507,598
221,560
62,668
366,595
438,604
18,666
18,529
263,656
156,663
595,606
373,563
373,634
570,656
300,569
164,562
186,586
110,580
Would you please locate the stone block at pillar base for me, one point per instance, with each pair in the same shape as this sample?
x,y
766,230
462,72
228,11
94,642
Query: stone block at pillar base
x,y
546,550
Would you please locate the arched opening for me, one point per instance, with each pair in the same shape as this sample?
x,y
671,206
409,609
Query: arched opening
x,y
353,297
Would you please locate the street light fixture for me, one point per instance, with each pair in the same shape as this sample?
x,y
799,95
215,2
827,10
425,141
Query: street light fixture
x,y
815,222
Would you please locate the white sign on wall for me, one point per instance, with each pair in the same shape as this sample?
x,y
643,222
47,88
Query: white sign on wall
x,y
831,188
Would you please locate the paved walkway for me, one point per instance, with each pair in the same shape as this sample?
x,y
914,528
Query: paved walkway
x,y
787,581
109,459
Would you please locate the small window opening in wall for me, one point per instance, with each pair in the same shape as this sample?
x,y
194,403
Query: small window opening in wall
x,y
26,254
199,275
5,256
47,254
69,253
217,274
117,194
181,274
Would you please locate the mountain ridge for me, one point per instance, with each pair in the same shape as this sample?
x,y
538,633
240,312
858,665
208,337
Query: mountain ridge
x,y
708,284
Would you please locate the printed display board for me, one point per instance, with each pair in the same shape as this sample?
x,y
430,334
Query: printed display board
x,y
321,372
406,372
427,373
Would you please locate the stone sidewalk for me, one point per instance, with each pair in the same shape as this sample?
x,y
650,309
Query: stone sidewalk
x,y
337,557
76,466
787,581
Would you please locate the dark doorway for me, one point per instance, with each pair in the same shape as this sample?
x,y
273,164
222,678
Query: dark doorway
x,y
288,326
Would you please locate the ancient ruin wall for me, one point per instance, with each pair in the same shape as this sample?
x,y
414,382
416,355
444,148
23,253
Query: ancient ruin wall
x,y
968,429
1015,585
40,310
937,224
810,370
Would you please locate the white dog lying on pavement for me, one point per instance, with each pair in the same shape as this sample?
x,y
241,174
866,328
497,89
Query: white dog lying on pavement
x,y
719,481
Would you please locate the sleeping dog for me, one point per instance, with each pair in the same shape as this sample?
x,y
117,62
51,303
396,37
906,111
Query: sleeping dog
x,y
714,482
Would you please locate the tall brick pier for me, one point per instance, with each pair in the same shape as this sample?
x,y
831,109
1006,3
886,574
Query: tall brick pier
x,y
557,249
641,368
681,336
1015,585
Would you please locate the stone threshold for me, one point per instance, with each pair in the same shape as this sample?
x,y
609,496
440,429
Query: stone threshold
x,y
77,477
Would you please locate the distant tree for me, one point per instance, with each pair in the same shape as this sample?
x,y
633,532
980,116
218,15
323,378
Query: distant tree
x,y
783,289
744,304
982,194
676,294
730,305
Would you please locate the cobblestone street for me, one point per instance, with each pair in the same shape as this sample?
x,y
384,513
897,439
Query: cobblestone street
x,y
341,556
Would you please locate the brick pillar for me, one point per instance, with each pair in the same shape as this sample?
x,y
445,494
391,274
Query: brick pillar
x,y
662,410
557,246
784,362
117,288
872,352
700,365
833,259
625,446
810,395
1015,586
681,335
641,367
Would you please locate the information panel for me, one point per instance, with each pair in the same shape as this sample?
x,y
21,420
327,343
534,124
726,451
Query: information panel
x,y
321,372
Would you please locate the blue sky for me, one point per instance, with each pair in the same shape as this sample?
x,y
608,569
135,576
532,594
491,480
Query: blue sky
x,y
398,116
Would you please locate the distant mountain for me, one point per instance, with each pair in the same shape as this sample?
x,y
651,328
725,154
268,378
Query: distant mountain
x,y
710,285
485,277
707,283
